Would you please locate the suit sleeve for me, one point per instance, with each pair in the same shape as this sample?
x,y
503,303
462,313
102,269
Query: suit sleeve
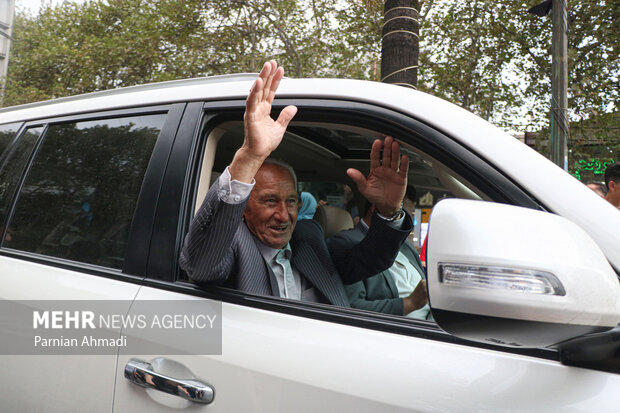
x,y
374,254
208,253
358,298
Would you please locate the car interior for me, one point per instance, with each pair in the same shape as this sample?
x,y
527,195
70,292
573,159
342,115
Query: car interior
x,y
321,153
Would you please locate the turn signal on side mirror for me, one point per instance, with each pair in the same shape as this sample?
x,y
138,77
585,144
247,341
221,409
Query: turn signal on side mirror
x,y
501,278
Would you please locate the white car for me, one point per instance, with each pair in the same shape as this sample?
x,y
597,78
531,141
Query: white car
x,y
97,192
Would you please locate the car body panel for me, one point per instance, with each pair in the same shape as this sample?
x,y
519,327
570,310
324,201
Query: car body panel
x,y
280,363
273,361
57,384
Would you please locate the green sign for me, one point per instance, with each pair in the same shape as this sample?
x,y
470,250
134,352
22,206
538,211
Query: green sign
x,y
596,166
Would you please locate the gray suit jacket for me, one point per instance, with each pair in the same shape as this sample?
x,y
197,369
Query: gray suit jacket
x,y
219,249
379,292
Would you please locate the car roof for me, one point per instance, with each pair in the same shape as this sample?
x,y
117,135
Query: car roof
x,y
549,184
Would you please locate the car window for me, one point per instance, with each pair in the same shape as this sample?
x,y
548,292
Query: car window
x,y
321,153
79,196
321,156
7,133
12,168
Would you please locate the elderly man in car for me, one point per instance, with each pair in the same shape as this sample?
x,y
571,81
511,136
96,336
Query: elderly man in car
x,y
246,235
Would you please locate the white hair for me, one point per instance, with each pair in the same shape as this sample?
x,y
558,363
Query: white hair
x,y
281,163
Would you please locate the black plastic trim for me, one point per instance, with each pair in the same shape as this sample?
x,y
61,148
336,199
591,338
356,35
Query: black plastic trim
x,y
4,221
509,331
22,179
596,351
101,114
165,240
14,139
138,243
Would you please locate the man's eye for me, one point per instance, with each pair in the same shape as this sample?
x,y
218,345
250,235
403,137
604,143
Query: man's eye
x,y
292,201
270,201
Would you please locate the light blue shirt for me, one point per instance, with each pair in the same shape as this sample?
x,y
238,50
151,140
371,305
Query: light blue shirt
x,y
406,277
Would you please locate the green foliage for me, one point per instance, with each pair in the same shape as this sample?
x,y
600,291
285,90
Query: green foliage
x,y
490,57
78,48
247,32
595,144
493,56
467,58
359,46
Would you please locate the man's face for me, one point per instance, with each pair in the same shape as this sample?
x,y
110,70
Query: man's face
x,y
272,209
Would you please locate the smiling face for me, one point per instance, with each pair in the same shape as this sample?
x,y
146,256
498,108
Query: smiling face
x,y
272,209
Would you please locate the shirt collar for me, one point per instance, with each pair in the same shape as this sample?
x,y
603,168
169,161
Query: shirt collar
x,y
269,253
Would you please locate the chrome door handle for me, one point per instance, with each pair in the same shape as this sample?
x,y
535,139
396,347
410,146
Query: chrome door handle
x,y
141,373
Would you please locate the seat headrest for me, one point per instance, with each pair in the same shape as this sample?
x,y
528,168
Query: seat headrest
x,y
333,219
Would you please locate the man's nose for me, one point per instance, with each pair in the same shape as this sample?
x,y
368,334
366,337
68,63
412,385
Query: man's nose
x,y
281,212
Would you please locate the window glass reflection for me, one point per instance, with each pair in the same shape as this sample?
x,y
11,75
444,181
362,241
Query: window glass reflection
x,y
79,197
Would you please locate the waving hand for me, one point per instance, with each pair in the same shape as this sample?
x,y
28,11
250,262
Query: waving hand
x,y
386,183
262,133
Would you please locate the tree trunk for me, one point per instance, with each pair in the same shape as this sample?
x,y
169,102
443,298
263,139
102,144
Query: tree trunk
x,y
400,45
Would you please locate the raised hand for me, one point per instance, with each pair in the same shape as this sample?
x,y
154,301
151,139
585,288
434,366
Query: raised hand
x,y
262,133
387,181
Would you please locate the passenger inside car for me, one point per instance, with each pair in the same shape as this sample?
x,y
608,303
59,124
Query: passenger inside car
x,y
307,207
322,147
399,290
269,252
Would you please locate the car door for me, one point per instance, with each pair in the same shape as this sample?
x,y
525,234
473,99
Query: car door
x,y
284,355
70,186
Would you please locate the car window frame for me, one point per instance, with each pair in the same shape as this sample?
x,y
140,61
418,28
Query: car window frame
x,y
136,256
9,147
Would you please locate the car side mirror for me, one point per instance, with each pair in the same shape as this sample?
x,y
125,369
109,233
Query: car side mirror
x,y
511,276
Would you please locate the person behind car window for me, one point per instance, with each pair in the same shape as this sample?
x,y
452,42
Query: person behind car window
x,y
349,203
409,204
398,290
308,206
598,187
246,235
612,181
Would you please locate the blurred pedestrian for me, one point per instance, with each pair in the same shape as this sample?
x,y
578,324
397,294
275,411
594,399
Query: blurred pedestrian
x,y
598,187
612,181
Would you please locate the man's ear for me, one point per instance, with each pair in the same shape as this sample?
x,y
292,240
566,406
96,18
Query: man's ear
x,y
299,205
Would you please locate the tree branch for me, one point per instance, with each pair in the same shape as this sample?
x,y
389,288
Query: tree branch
x,y
288,43
524,46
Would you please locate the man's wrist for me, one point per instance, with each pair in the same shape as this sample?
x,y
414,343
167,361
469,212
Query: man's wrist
x,y
244,166
394,216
